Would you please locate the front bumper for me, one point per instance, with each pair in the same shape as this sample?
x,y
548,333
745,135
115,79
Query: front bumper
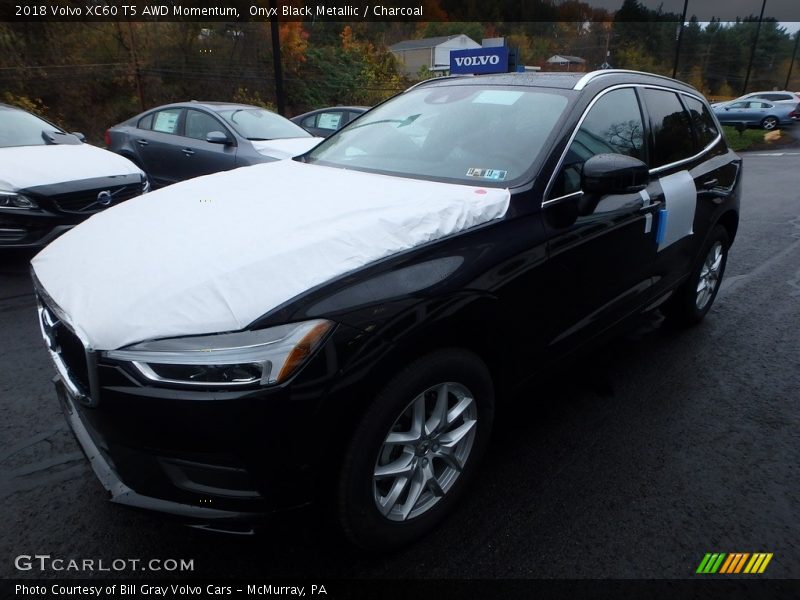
x,y
199,516
24,235
62,206
221,460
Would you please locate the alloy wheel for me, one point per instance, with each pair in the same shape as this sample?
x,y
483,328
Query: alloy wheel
x,y
709,275
770,123
425,451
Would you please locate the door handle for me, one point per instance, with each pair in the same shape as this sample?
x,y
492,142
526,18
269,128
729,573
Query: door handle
x,y
710,184
142,142
188,151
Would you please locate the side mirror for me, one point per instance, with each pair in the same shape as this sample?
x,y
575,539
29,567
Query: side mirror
x,y
217,137
80,136
614,174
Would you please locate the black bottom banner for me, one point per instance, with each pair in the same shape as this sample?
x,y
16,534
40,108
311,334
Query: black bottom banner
x,y
427,589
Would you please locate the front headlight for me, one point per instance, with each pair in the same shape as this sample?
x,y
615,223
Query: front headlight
x,y
261,357
15,200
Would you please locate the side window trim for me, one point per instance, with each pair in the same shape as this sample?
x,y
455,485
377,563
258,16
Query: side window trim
x,y
571,139
654,171
706,149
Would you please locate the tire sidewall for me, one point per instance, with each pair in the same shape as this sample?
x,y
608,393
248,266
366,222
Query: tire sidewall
x,y
362,522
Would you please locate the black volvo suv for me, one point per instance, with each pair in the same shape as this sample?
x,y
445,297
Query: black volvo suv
x,y
345,334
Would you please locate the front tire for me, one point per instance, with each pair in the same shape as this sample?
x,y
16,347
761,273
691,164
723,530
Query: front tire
x,y
415,450
691,302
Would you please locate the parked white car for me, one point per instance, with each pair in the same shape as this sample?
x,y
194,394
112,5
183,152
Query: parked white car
x,y
50,180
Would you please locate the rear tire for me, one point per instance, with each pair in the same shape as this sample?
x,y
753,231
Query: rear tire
x,y
693,299
415,450
769,123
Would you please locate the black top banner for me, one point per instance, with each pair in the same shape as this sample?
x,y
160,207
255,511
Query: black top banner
x,y
384,10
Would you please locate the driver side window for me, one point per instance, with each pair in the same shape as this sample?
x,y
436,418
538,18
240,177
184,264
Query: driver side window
x,y
612,126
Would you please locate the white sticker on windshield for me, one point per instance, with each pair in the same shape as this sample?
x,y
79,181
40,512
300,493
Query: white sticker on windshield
x,y
497,97
493,174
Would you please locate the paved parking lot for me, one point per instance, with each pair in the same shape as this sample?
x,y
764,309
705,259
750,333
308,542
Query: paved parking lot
x,y
633,464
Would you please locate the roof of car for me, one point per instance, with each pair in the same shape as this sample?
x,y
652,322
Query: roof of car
x,y
208,105
561,80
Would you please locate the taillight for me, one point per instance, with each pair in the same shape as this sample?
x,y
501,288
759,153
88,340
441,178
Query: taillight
x,y
107,138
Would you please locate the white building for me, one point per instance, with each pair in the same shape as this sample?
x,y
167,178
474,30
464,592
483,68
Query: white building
x,y
432,53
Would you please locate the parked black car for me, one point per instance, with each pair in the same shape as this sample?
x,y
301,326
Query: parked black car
x,y
50,180
324,121
345,335
184,140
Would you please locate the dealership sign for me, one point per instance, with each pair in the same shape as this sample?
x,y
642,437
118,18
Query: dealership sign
x,y
479,60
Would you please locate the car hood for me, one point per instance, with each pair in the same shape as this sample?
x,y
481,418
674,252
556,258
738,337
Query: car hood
x,y
286,148
214,253
27,166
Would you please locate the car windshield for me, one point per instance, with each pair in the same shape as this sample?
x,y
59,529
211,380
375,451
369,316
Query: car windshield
x,y
19,128
464,133
259,124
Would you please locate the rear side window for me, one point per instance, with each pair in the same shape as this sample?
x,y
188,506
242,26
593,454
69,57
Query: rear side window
x,y
612,126
325,120
672,129
704,127
166,121
145,122
775,97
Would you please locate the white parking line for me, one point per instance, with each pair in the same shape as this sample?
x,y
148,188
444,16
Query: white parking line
x,y
773,154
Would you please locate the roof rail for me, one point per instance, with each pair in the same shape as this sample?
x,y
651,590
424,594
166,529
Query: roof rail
x,y
584,81
435,79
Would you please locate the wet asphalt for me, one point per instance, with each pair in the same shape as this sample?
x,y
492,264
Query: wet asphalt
x,y
632,464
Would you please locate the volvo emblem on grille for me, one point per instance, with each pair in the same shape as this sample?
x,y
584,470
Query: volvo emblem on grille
x,y
104,198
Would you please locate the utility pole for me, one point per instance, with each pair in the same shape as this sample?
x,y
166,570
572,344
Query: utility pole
x,y
680,37
276,58
791,64
753,49
136,67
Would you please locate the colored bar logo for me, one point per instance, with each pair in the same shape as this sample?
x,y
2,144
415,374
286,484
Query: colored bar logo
x,y
734,563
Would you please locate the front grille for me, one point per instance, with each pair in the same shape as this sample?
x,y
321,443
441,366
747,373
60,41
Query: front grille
x,y
69,348
91,201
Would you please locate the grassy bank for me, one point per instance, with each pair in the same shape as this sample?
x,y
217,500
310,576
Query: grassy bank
x,y
746,139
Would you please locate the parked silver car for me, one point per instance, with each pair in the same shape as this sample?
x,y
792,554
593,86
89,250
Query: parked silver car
x,y
325,121
756,113
180,141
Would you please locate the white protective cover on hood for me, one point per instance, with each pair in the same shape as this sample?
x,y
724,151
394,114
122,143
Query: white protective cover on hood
x,y
213,254
27,166
286,148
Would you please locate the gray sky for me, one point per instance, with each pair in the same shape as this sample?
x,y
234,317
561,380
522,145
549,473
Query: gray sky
x,y
727,10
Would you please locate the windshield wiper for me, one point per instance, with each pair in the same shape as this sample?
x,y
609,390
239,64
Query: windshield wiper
x,y
402,122
259,139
